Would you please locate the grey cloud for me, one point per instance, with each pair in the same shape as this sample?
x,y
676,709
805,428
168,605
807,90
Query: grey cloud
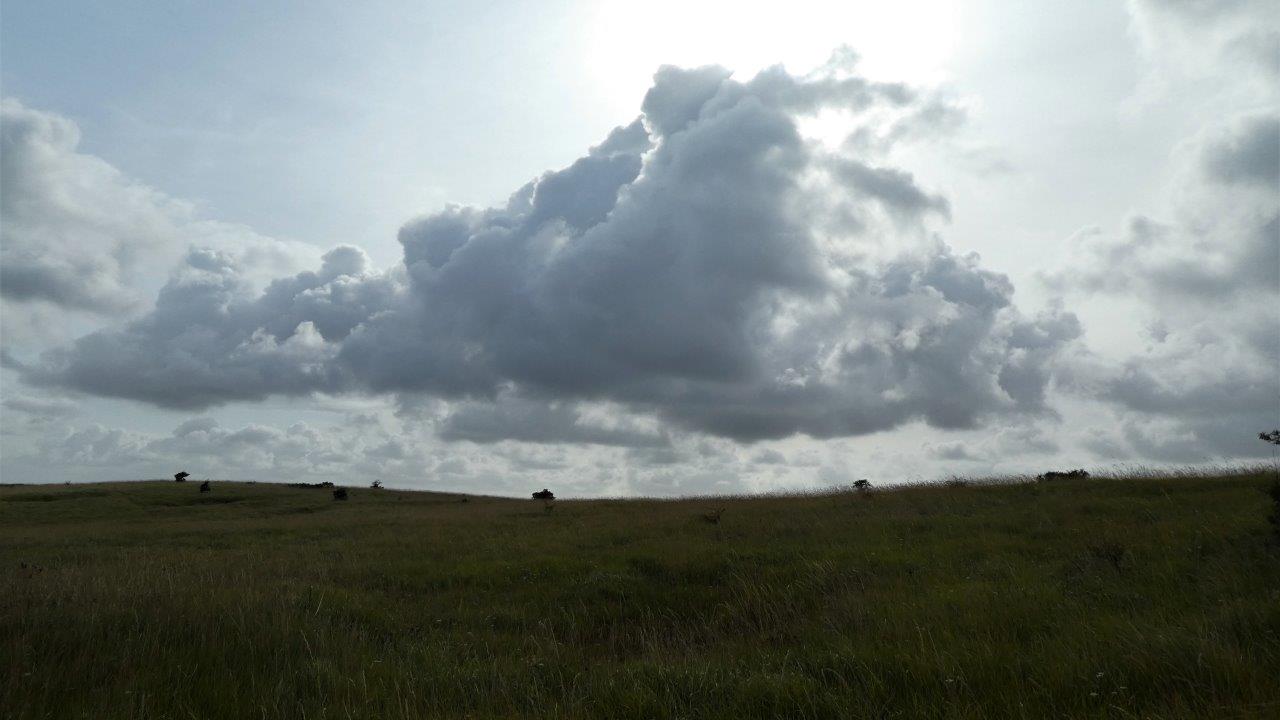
x,y
1243,35
194,425
1187,442
1249,152
453,466
41,407
539,422
926,121
76,284
209,341
252,445
630,139
1222,244
1105,446
74,229
951,451
96,445
80,236
653,456
1206,273
769,457
1021,440
678,96
200,444
1209,280
676,270
894,189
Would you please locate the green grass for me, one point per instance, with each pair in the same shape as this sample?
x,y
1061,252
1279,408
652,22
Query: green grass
x,y
1119,598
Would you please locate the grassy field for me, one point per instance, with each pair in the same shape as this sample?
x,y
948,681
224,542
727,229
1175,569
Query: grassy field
x,y
1119,598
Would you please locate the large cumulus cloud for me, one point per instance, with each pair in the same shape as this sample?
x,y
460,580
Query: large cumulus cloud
x,y
212,340
707,264
74,229
83,245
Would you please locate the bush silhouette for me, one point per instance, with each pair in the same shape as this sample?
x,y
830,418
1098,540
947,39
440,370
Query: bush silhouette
x,y
1068,475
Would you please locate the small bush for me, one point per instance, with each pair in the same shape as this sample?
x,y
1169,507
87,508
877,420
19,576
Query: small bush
x,y
340,494
1068,475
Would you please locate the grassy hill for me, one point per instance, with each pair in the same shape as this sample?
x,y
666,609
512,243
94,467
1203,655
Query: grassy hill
x,y
1120,598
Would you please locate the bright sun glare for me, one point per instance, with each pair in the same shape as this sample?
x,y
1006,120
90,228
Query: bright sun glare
x,y
908,41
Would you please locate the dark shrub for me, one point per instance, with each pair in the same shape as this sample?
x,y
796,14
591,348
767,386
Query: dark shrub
x,y
340,494
181,477
544,494
1068,475
204,486
863,484
376,485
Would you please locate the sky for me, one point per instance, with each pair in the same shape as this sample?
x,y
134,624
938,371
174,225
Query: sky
x,y
636,249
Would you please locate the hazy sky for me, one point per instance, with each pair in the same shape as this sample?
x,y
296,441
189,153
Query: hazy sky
x,y
620,248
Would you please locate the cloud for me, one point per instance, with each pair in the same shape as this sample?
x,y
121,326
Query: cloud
x,y
769,457
1207,281
24,413
41,407
75,230
894,189
1247,153
211,340
80,235
1195,40
705,264
540,422
951,451
205,447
